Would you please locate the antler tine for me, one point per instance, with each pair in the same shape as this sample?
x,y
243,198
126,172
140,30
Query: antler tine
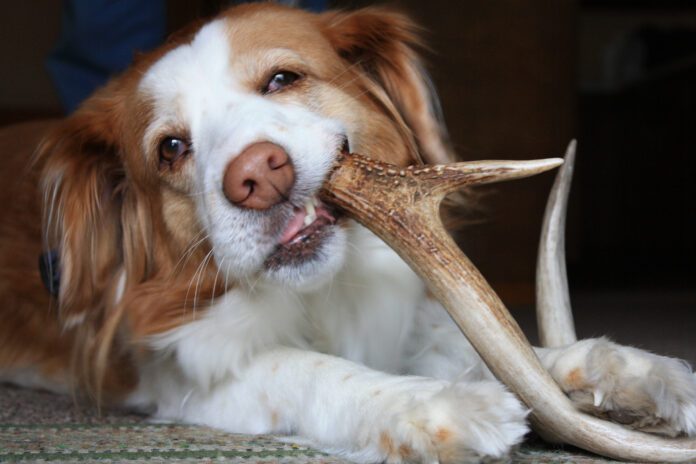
x,y
404,211
554,313
444,179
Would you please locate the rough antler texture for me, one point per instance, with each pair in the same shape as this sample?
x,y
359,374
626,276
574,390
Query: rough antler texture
x,y
402,207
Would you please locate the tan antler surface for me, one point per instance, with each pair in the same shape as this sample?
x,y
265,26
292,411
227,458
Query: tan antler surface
x,y
402,207
554,314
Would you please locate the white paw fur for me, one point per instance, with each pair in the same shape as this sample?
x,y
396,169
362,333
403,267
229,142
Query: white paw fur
x,y
461,423
639,389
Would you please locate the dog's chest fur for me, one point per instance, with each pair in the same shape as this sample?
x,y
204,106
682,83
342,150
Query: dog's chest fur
x,y
364,314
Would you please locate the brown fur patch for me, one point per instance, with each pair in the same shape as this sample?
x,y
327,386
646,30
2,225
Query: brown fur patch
x,y
386,442
443,435
575,380
405,451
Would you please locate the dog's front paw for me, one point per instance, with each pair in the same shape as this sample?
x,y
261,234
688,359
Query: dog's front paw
x,y
460,423
641,390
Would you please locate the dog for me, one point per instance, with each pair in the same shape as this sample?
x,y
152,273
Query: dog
x,y
191,270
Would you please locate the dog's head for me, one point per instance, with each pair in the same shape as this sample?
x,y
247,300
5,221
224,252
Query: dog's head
x,y
197,169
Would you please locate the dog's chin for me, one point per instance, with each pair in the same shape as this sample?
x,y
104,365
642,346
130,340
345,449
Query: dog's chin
x,y
310,261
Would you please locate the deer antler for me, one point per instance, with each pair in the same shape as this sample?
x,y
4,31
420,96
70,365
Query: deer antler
x,y
554,315
402,207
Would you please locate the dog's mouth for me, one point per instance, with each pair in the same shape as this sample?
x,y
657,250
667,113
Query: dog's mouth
x,y
304,233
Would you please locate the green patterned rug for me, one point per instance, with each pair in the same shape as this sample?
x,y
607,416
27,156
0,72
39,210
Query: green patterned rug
x,y
145,442
42,427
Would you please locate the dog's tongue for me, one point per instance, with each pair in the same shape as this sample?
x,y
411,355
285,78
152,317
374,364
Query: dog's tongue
x,y
295,225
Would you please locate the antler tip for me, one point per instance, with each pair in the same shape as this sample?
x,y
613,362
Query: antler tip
x,y
551,163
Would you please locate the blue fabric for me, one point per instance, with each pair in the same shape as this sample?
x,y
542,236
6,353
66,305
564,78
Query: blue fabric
x,y
100,37
313,5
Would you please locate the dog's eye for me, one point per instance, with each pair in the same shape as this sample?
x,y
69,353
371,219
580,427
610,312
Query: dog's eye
x,y
280,80
172,148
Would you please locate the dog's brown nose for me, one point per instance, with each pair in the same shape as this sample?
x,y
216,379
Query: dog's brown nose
x,y
260,177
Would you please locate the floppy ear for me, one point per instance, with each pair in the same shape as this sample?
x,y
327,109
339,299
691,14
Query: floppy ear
x,y
82,185
383,44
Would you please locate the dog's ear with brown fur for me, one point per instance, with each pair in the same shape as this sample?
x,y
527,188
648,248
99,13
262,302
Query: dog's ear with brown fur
x,y
383,44
82,179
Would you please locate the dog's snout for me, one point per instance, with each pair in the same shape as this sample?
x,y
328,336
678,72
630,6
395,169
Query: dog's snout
x,y
260,177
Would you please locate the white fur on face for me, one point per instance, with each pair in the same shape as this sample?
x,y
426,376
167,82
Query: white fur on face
x,y
194,89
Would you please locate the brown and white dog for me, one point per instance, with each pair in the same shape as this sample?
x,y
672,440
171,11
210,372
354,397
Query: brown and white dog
x,y
200,277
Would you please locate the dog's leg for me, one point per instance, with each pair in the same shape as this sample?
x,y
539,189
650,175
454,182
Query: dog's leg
x,y
362,414
639,389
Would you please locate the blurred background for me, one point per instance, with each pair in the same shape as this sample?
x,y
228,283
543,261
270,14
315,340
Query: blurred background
x,y
518,80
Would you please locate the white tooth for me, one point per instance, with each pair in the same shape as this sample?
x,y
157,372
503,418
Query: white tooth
x,y
311,212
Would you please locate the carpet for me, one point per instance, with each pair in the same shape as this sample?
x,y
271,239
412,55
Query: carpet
x,y
38,426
